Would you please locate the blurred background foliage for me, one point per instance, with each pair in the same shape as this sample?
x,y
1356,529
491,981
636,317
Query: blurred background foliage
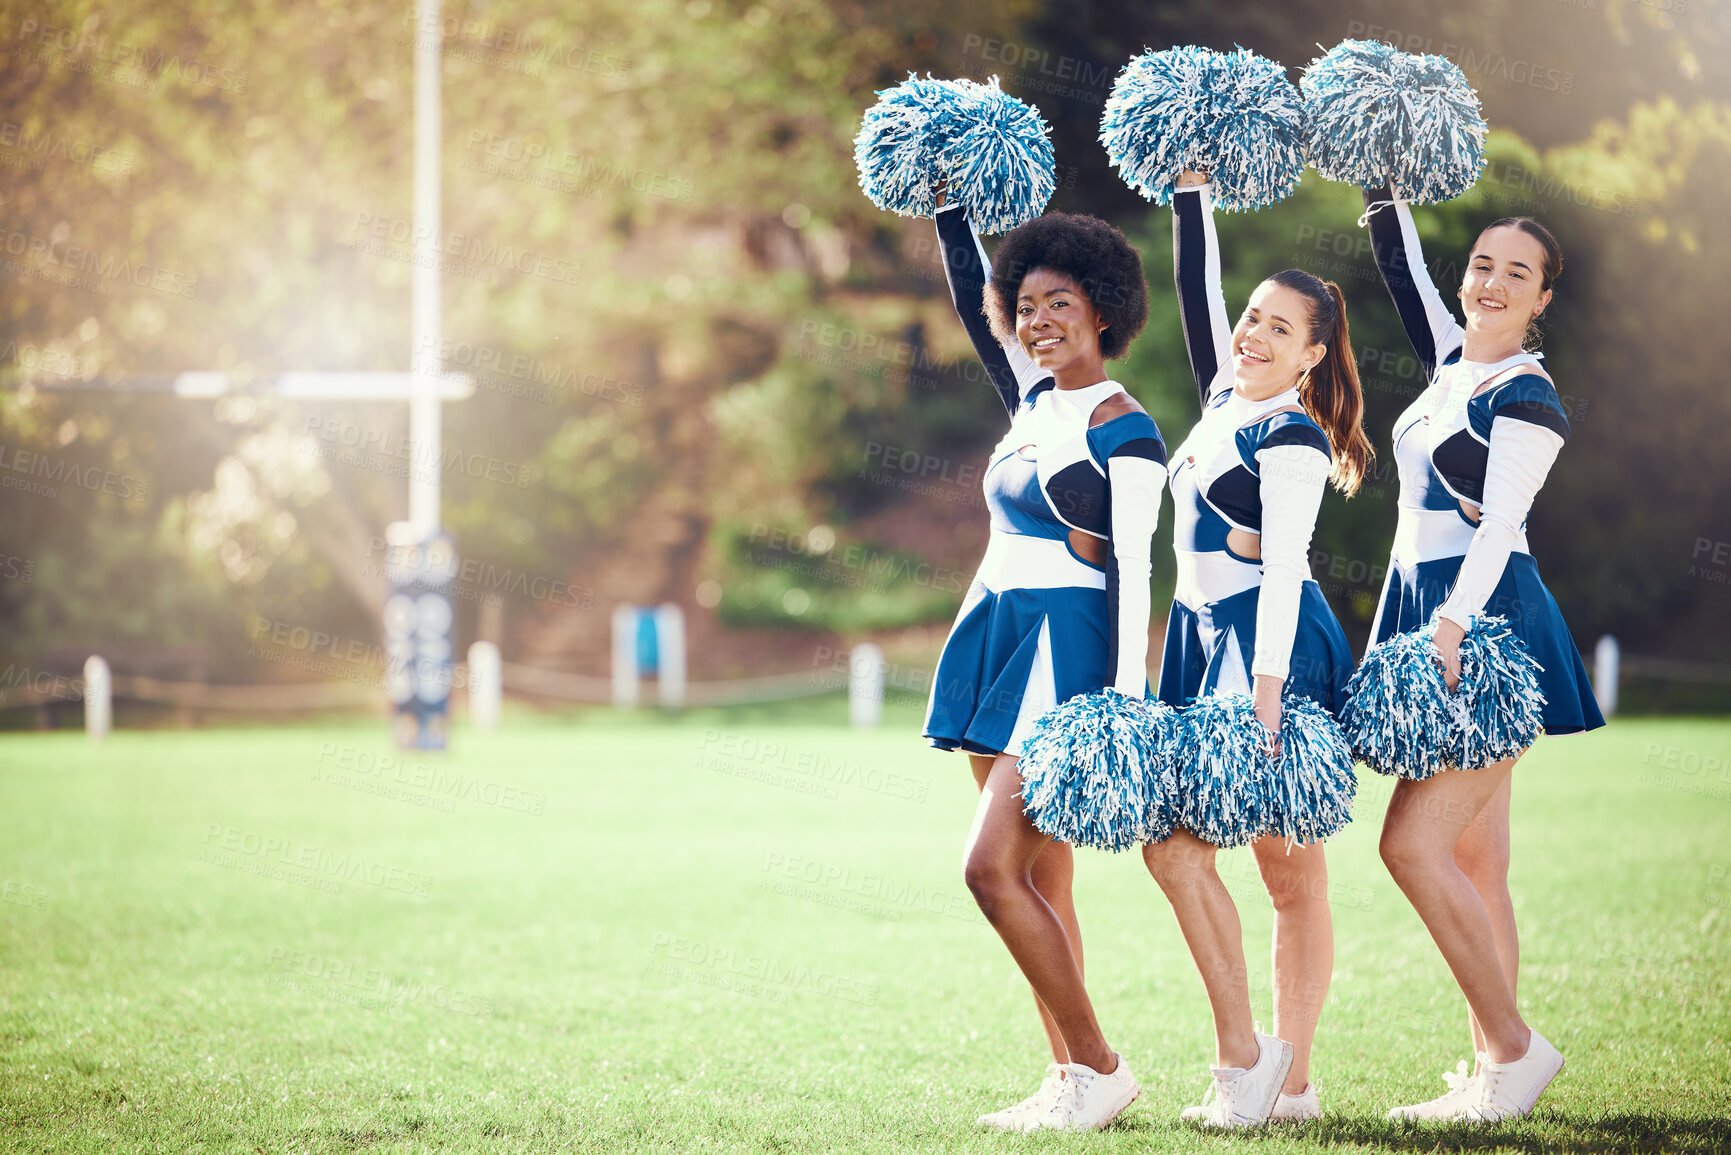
x,y
720,356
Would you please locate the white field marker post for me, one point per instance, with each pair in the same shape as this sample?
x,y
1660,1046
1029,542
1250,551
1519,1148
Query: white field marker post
x,y
98,698
865,686
425,432
1606,660
670,656
485,690
625,688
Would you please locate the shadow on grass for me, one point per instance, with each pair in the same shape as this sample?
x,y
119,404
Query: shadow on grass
x,y
1545,1131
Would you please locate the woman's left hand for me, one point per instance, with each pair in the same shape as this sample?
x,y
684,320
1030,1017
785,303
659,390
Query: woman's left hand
x,y
1265,698
1447,641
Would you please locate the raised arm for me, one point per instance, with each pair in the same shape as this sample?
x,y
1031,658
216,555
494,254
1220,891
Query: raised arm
x,y
1429,323
1201,301
1010,369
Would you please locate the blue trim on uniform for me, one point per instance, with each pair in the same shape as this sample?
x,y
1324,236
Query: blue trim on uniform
x,y
1132,434
983,672
1196,648
1529,397
1306,432
1520,596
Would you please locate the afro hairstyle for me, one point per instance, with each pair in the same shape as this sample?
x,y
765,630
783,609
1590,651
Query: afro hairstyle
x,y
1088,251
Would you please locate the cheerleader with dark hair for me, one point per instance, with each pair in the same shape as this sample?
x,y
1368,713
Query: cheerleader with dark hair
x,y
1060,604
1281,418
1473,452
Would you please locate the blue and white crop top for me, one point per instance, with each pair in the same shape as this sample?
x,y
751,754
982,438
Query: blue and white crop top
x,y
1053,472
1491,449
1259,466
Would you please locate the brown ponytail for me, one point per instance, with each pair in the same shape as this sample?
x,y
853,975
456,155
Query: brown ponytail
x,y
1330,391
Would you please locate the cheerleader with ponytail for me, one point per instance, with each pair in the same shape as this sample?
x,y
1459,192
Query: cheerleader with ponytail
x,y
1255,655
1470,658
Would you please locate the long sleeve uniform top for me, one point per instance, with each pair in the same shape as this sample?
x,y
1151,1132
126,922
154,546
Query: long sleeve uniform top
x,y
1054,472
1482,433
1259,466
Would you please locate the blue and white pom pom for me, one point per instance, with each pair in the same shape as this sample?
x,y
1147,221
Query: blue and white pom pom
x,y
1399,717
1402,720
1231,115
1500,707
994,152
900,140
1098,771
1233,790
1376,113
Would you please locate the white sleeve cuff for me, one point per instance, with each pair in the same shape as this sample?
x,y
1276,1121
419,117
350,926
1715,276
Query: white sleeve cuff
x,y
1520,458
1136,486
1293,479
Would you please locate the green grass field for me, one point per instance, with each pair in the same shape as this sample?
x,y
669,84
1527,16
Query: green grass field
x,y
749,932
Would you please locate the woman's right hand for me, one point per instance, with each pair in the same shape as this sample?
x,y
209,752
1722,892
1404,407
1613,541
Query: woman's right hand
x,y
938,193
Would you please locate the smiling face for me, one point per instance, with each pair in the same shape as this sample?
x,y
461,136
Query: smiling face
x,y
1500,292
1271,344
1056,324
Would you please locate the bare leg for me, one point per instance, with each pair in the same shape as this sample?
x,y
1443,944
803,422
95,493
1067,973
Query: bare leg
x,y
1183,865
1424,824
1053,872
1297,883
1001,851
1483,856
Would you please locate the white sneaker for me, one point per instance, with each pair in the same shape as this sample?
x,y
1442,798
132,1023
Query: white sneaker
x,y
1298,1108
1087,1100
1245,1098
1005,1120
1456,1104
1509,1090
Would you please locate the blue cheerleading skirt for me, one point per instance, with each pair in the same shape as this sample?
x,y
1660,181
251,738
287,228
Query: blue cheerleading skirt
x,y
1413,594
1209,650
1022,643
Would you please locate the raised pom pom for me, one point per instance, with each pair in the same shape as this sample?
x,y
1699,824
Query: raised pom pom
x,y
1501,709
1098,771
1233,116
899,142
994,152
1402,720
1375,113
1234,790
